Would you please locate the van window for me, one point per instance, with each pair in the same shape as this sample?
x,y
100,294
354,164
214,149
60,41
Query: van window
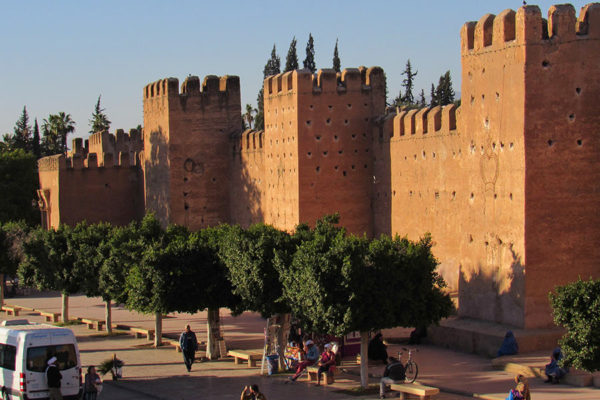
x,y
37,357
8,355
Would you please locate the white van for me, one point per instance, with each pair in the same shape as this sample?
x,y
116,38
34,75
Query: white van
x,y
25,349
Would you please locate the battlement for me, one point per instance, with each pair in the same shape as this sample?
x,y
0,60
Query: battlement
x,y
77,161
250,140
526,26
425,121
211,85
325,80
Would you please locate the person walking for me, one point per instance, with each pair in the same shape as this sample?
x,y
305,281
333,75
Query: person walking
x,y
189,345
53,377
91,384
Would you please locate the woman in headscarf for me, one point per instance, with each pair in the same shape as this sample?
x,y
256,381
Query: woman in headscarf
x,y
377,349
509,345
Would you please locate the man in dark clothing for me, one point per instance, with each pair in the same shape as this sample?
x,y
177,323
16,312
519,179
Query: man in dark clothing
x,y
189,345
53,376
394,373
377,349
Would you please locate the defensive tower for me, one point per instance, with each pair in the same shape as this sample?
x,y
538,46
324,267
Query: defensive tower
x,y
186,143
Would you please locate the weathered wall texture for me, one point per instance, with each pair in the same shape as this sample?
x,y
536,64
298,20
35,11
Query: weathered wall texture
x,y
508,184
75,189
187,148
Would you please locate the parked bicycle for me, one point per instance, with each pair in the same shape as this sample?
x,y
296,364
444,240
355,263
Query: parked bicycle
x,y
411,369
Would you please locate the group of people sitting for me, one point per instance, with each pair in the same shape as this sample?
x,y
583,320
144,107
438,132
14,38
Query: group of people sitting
x,y
308,355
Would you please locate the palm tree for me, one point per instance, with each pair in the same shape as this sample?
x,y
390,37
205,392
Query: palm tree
x,y
56,129
248,116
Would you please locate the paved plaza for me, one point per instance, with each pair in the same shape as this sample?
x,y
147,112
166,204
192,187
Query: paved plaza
x,y
160,374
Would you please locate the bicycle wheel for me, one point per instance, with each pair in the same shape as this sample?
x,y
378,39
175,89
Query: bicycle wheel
x,y
412,370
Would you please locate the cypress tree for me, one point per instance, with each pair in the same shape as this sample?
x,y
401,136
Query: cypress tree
x,y
447,90
291,61
35,146
22,132
336,58
272,67
434,100
99,121
408,84
422,102
309,61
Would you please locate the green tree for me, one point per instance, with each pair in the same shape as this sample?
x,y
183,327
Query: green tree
x,y
273,67
145,282
338,284
422,102
90,252
576,307
99,121
12,235
337,65
21,137
50,263
18,185
249,115
434,100
291,61
309,61
35,144
56,128
444,92
408,84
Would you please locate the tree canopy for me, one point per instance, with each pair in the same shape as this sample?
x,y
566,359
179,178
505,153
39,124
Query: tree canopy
x,y
56,128
18,185
576,307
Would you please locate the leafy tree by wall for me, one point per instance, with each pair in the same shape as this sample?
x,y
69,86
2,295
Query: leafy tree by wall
x,y
273,67
576,307
338,284
291,61
309,61
12,235
18,185
56,128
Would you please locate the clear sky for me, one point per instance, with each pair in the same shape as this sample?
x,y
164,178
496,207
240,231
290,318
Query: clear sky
x,y
61,55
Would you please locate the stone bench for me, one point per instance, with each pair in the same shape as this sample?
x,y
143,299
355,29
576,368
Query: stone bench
x,y
93,323
252,356
11,310
139,332
50,316
422,391
328,376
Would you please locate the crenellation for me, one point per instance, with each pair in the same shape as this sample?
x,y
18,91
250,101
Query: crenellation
x,y
211,84
421,121
434,119
108,160
76,161
504,29
529,25
409,122
124,159
484,31
326,80
562,22
467,37
91,161
589,21
399,123
449,117
191,86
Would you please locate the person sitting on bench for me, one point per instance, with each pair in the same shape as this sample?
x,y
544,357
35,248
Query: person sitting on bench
x,y
393,373
312,355
325,362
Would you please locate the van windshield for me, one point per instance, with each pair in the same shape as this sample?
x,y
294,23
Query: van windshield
x,y
37,357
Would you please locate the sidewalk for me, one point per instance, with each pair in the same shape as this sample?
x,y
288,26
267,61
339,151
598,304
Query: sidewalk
x,y
458,375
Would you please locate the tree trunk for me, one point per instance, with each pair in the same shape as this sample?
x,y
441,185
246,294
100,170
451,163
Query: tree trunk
x,y
2,286
108,316
213,333
283,320
65,308
364,359
157,329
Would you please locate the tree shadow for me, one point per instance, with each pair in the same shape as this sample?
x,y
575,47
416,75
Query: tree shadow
x,y
156,176
494,291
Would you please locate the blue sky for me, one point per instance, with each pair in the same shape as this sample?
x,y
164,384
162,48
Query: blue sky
x,y
60,55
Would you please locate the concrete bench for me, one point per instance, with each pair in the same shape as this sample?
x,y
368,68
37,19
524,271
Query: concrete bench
x,y
422,391
172,342
252,356
328,376
11,310
139,332
93,323
50,316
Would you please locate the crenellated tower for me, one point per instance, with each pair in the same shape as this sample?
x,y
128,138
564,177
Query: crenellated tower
x,y
318,156
186,148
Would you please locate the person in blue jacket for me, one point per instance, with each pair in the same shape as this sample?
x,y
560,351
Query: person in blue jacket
x,y
189,345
